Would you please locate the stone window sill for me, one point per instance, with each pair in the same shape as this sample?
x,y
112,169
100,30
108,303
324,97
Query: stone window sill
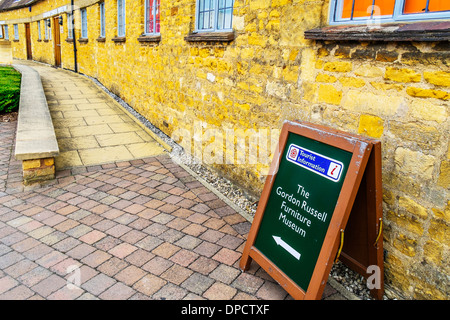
x,y
119,39
417,31
100,39
83,40
149,38
210,37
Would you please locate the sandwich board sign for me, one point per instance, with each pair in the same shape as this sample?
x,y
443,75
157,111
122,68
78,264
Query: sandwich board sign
x,y
305,205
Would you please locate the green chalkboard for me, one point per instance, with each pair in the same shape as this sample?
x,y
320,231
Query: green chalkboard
x,y
300,206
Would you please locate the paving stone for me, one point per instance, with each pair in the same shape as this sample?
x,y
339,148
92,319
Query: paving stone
x,y
149,284
225,274
7,283
184,257
139,257
112,266
118,291
130,275
271,291
80,251
220,291
203,265
34,276
96,258
122,250
18,293
176,274
92,237
66,293
157,265
49,285
98,284
197,283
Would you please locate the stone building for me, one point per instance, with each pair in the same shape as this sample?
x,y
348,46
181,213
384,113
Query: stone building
x,y
215,74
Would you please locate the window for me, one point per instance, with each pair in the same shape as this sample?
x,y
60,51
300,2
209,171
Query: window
x,y
6,32
1,31
47,30
214,15
84,31
152,17
39,29
102,20
362,11
16,32
69,26
121,18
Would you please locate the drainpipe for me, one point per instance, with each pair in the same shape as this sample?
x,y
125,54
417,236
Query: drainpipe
x,y
74,38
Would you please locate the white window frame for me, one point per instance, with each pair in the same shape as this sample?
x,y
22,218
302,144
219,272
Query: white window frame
x,y
16,31
215,18
84,24
154,8
102,20
121,19
336,6
39,29
1,31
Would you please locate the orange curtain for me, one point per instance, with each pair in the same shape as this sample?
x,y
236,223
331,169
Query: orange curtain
x,y
363,8
418,6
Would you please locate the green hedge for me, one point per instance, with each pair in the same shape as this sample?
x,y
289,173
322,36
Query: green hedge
x,y
9,89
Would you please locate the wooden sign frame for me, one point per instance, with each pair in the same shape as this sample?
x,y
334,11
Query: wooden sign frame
x,y
360,148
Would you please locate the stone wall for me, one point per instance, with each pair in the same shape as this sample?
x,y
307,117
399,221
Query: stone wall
x,y
213,96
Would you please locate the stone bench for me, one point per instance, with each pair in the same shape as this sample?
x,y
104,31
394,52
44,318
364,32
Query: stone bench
x,y
36,143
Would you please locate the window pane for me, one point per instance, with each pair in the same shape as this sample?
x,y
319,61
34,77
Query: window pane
x,y
225,15
121,18
221,19
416,6
200,20
439,5
228,18
83,24
420,6
157,16
149,22
102,19
363,8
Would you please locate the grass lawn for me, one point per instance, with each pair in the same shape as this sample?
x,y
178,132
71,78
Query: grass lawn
x,y
9,89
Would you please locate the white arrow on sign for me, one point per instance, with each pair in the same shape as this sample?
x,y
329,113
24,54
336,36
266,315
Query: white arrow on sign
x,y
287,247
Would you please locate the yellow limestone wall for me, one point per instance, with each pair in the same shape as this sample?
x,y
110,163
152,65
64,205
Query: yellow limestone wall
x,y
201,93
5,52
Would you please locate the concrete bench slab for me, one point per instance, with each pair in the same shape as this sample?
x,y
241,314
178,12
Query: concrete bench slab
x,y
36,143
